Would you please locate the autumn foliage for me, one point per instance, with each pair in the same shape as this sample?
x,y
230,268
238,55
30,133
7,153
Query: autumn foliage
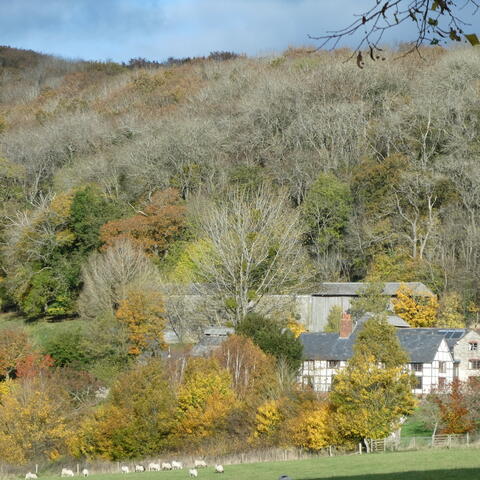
x,y
143,315
416,311
154,228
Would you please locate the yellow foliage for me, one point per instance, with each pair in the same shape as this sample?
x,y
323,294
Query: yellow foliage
x,y
416,311
31,425
204,399
94,438
142,313
311,429
268,419
296,328
369,400
62,204
449,315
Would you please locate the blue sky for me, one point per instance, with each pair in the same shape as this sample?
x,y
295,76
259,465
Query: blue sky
x,y
157,29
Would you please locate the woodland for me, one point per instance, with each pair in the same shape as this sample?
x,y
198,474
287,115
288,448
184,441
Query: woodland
x,y
125,187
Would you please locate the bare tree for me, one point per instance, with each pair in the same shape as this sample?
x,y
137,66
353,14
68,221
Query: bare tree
x,y
436,22
256,249
109,276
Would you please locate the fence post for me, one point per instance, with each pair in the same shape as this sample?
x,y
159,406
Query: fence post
x,y
78,469
449,441
36,468
414,443
360,448
468,439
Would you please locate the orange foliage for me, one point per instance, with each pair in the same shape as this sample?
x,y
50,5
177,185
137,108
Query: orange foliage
x,y
251,369
154,229
14,345
33,364
142,313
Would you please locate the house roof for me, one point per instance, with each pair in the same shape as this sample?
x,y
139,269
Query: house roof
x,y
451,335
421,347
353,289
218,331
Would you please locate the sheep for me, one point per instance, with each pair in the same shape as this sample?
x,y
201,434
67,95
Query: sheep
x,y
166,466
176,465
125,469
154,467
66,472
140,468
30,476
200,464
219,469
193,472
85,472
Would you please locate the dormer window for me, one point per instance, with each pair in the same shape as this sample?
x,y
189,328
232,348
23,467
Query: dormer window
x,y
333,363
474,346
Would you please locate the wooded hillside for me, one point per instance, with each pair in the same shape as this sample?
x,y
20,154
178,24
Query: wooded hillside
x,y
375,168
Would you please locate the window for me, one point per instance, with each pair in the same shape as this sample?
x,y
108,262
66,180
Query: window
x,y
474,364
474,346
307,381
417,367
418,383
441,382
442,367
333,363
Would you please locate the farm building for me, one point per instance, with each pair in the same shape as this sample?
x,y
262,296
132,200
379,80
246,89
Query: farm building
x,y
313,309
326,353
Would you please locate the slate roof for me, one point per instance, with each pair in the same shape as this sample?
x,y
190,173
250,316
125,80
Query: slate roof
x,y
451,335
206,346
421,347
353,289
219,331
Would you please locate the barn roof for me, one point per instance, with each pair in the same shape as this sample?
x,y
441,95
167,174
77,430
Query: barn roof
x,y
353,289
421,347
393,320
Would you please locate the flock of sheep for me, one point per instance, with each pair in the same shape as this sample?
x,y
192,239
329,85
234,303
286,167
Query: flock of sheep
x,y
152,467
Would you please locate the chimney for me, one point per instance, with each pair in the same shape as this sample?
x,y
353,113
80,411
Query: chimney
x,y
346,325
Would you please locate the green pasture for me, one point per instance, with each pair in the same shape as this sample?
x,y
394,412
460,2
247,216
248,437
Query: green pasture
x,y
454,464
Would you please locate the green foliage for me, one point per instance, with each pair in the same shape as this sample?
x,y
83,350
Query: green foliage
x,y
90,209
373,392
46,260
68,348
378,339
273,338
371,299
333,319
136,421
326,210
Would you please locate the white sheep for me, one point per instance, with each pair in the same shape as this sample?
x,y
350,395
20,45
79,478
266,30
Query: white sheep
x,y
30,476
85,472
176,465
219,469
154,467
139,468
166,466
193,472
125,469
66,472
200,464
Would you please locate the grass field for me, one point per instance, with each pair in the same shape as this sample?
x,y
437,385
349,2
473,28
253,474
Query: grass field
x,y
455,464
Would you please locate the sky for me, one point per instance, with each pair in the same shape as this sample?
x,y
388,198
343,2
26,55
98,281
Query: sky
x,y
157,29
